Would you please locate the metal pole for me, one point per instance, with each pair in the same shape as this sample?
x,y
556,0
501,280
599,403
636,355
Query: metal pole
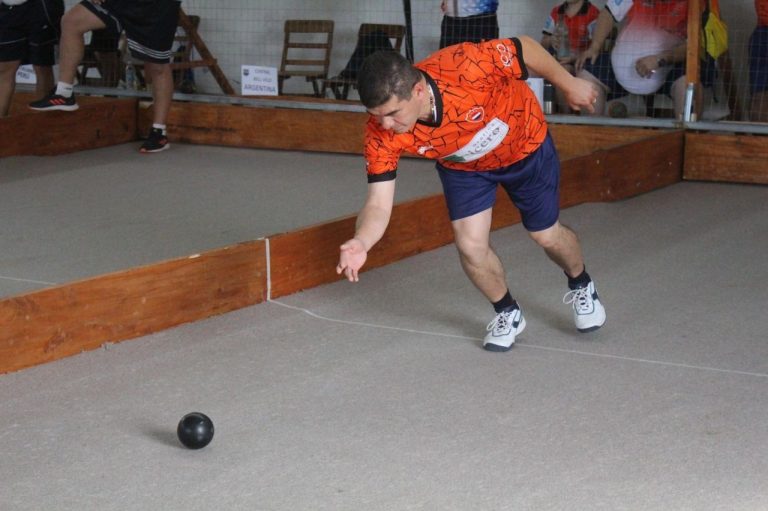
x,y
408,30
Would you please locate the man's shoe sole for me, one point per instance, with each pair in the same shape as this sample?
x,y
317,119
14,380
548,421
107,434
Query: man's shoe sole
x,y
498,348
147,151
63,108
590,329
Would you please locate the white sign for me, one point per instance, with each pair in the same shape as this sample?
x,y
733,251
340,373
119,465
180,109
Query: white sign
x,y
258,81
26,74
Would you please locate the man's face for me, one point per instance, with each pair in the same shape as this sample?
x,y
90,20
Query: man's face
x,y
399,115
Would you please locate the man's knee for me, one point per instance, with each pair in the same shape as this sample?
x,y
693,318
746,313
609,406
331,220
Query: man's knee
x,y
78,20
550,237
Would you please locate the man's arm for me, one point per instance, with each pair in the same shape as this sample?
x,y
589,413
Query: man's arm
x,y
371,224
579,93
648,65
603,29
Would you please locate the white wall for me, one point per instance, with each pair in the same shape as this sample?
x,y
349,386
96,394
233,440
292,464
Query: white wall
x,y
250,31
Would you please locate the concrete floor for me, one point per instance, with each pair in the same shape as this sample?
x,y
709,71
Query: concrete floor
x,y
79,215
377,395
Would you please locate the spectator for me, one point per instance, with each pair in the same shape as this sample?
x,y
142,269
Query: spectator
x,y
150,28
649,54
468,21
29,31
567,32
579,18
758,64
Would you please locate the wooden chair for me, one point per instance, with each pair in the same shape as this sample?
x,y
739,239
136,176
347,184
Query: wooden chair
x,y
303,55
182,60
340,85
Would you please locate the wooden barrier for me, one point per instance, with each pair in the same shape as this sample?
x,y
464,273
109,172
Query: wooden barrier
x,y
58,322
262,128
53,323
99,122
329,131
733,158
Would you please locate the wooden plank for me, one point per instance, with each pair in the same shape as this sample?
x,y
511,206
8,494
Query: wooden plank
x,y
733,158
645,165
53,323
265,128
328,131
307,258
99,122
574,140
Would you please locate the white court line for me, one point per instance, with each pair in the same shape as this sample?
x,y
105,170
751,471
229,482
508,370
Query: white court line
x,y
546,348
3,277
269,269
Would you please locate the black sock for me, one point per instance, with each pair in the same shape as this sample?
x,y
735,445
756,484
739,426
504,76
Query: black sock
x,y
506,303
581,280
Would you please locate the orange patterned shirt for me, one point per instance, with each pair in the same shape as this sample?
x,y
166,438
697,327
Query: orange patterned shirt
x,y
487,117
761,7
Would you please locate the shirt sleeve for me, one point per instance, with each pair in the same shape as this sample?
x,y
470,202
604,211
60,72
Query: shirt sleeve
x,y
484,65
549,25
618,8
382,153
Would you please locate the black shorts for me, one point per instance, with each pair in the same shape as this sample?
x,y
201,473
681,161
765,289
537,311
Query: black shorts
x,y
30,31
105,41
468,29
149,25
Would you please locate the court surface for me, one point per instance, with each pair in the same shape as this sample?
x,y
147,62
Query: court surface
x,y
377,395
88,213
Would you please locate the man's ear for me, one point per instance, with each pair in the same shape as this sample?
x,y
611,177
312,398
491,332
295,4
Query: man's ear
x,y
419,89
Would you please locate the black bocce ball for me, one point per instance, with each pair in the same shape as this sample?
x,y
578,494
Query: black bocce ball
x,y
195,430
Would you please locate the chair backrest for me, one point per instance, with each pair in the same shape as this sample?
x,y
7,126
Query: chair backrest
x,y
307,48
395,32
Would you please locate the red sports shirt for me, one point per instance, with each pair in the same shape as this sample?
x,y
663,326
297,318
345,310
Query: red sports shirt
x,y
761,7
487,116
580,26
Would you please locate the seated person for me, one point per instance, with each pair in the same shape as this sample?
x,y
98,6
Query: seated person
x,y
29,31
579,18
468,21
568,32
758,64
649,54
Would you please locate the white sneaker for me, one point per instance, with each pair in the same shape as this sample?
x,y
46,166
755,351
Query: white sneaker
x,y
503,329
588,312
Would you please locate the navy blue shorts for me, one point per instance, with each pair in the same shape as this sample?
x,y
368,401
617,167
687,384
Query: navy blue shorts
x,y
758,60
533,184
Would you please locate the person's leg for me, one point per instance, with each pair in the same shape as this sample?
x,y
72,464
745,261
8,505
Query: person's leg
x,y
75,23
7,85
562,246
44,80
162,90
758,107
161,78
479,261
485,271
534,189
